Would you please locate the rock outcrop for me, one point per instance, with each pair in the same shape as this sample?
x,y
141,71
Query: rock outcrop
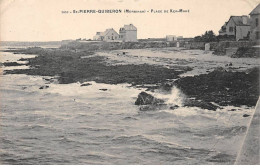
x,y
147,99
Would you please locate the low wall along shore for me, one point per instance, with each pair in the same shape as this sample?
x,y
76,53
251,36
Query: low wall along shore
x,y
230,48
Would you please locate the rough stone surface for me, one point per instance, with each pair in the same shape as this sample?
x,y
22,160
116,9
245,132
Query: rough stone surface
x,y
147,99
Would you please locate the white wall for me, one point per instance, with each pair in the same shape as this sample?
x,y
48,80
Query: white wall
x,y
242,31
130,36
230,24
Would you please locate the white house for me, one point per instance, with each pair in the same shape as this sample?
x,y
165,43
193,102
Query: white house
x,y
171,38
109,35
238,26
128,33
255,27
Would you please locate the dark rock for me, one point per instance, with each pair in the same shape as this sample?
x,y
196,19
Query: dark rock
x,y
23,59
12,64
174,107
103,89
249,52
44,87
246,115
166,87
201,104
85,84
147,99
222,87
49,79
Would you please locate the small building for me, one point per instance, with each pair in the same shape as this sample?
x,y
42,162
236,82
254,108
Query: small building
x,y
109,35
223,29
254,24
237,26
98,36
180,38
171,38
128,33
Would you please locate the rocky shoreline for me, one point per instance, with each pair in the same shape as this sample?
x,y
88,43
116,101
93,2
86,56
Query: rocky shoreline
x,y
207,91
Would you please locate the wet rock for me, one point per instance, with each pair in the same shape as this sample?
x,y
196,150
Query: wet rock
x,y
23,59
246,115
147,99
200,104
103,89
166,87
174,107
49,79
44,87
12,64
226,88
86,84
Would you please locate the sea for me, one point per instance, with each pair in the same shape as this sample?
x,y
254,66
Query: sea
x,y
99,124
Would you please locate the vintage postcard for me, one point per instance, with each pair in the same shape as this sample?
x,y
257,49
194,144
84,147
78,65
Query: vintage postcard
x,y
129,82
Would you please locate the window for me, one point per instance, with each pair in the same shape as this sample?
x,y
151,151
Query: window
x,y
257,35
231,29
256,22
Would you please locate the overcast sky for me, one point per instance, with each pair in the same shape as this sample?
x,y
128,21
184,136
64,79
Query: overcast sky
x,y
42,20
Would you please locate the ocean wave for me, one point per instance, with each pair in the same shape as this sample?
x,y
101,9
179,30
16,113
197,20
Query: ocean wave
x,y
226,132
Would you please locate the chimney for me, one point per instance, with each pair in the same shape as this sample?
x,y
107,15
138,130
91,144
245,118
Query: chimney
x,y
244,19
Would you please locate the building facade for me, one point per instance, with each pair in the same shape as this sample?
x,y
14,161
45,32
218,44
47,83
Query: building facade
x,y
237,26
128,33
109,35
171,38
223,29
254,24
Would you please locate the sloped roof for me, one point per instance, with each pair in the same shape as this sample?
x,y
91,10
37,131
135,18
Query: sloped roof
x,y
256,10
129,27
238,20
107,31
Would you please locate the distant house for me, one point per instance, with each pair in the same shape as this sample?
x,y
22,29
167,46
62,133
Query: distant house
x,y
254,24
171,38
180,38
109,35
237,26
98,36
223,29
128,33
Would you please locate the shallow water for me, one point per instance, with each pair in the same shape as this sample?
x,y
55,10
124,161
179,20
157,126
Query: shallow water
x,y
73,124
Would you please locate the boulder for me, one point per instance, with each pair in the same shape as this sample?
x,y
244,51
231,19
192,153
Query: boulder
x,y
200,104
85,84
44,87
174,107
147,99
246,115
